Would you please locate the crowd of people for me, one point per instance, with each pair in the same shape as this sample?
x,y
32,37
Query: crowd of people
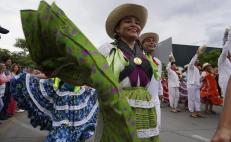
x,y
193,85
8,70
125,74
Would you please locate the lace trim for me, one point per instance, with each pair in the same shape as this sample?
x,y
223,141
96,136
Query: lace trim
x,y
75,107
141,104
77,123
69,93
147,133
33,99
43,91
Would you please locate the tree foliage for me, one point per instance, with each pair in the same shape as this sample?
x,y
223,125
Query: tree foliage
x,y
210,57
22,57
4,53
21,43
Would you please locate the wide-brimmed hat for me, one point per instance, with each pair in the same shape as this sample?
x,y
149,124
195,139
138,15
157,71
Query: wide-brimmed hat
x,y
147,35
205,65
122,11
186,66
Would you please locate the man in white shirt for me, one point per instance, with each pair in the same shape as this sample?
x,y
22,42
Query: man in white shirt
x,y
149,41
224,64
194,84
173,86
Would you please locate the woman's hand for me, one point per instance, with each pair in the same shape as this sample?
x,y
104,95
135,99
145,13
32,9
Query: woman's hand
x,y
222,135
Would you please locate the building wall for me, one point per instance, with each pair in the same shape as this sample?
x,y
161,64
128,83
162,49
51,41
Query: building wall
x,y
182,53
163,50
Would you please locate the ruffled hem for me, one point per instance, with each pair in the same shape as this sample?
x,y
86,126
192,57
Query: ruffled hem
x,y
144,109
141,104
147,133
37,117
47,109
71,134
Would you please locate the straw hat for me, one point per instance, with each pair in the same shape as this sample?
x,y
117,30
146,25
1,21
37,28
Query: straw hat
x,y
186,66
150,34
122,11
206,65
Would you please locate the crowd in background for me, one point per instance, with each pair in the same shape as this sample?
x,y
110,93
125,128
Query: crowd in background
x,y
8,105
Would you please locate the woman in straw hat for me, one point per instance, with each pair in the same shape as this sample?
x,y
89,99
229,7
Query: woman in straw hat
x,y
209,92
133,69
149,41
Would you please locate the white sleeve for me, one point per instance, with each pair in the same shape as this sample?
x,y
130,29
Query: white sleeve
x,y
225,50
105,49
160,88
192,62
160,69
168,66
160,92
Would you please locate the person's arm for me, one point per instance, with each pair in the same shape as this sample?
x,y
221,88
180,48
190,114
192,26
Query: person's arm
x,y
41,76
200,51
168,67
225,50
160,91
223,132
4,78
192,62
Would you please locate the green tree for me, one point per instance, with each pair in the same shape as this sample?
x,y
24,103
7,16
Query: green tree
x,y
22,57
4,53
210,57
21,43
22,60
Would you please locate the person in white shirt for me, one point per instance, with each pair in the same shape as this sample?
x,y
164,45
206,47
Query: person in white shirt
x,y
194,84
224,64
173,86
149,42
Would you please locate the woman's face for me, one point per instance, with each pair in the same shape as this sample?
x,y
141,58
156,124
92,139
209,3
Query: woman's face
x,y
209,69
173,67
129,28
149,44
16,68
8,62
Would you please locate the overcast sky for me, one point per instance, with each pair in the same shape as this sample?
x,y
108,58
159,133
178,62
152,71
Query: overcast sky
x,y
192,22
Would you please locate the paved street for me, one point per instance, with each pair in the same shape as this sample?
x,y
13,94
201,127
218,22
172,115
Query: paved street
x,y
180,127
18,129
176,127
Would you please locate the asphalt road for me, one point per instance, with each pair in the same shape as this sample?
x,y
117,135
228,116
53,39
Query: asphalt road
x,y
176,127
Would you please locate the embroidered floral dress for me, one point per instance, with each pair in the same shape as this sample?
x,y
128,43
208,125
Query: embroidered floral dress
x,y
69,115
135,78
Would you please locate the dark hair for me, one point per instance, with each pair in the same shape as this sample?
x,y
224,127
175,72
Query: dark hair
x,y
172,63
12,68
6,58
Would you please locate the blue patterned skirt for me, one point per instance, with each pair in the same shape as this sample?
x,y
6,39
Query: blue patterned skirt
x,y
69,116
